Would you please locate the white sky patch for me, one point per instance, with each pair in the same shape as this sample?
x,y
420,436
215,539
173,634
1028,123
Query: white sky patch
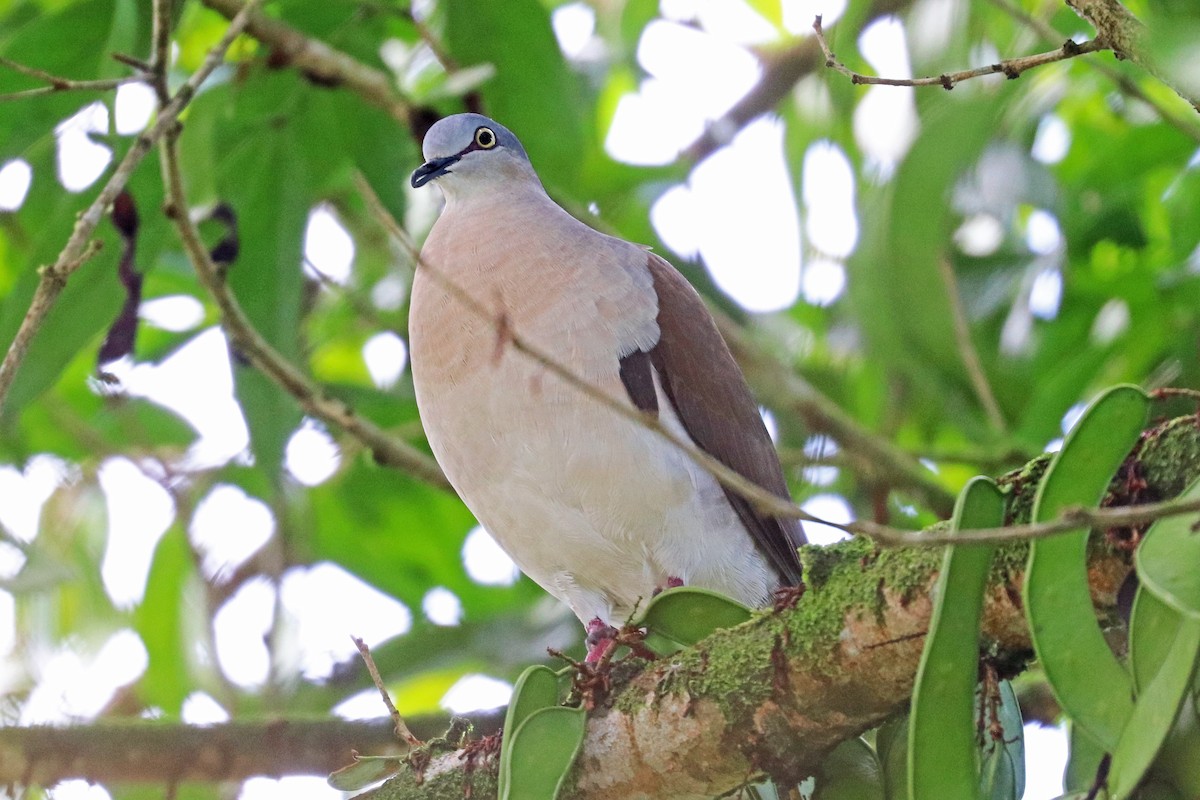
x,y
227,528
139,512
672,216
12,560
8,636
1046,754
176,313
196,382
240,628
442,606
312,456
1072,417
328,605
486,562
979,235
574,24
769,422
798,15
885,121
133,108
822,281
80,160
1111,321
293,787
70,686
472,692
832,507
27,491
385,355
1042,233
328,247
1052,141
730,20
199,708
745,214
363,705
695,77
389,293
15,179
1046,294
828,191
78,790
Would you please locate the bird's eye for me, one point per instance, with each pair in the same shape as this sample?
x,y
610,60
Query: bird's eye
x,y
485,138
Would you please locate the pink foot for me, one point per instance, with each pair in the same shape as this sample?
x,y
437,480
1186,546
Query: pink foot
x,y
601,638
672,583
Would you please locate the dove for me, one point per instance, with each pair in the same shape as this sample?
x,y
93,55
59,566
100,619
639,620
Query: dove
x,y
599,510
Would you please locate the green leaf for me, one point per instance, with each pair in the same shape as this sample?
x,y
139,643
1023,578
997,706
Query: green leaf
x,y
891,743
851,772
1166,560
536,763
1090,684
159,621
1155,712
1153,626
363,772
1083,761
1003,771
942,753
537,688
534,93
688,614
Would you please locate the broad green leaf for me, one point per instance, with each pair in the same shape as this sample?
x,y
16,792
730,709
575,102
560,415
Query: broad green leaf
x,y
688,614
1090,684
1166,560
891,743
536,764
851,772
1178,761
1154,713
1153,626
364,771
534,93
942,752
537,688
159,621
1083,761
1003,769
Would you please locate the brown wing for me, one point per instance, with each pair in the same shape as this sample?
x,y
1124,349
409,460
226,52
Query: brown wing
x,y
709,394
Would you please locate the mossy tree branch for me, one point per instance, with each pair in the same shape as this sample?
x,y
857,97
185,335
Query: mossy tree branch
x,y
772,695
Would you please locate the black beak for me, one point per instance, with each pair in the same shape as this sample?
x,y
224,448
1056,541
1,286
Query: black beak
x,y
434,168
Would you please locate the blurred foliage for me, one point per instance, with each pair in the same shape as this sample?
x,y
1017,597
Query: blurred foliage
x,y
277,144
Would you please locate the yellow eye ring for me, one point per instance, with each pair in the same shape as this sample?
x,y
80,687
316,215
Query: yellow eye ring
x,y
485,137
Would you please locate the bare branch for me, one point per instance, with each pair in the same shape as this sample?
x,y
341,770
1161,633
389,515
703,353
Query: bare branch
x,y
54,277
398,723
966,348
55,83
259,352
1011,68
327,64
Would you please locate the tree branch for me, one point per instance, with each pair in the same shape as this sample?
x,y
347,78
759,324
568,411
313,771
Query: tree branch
x,y
772,695
1012,68
258,351
55,83
75,252
1126,35
325,63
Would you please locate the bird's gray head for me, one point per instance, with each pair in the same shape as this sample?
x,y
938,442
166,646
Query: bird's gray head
x,y
466,149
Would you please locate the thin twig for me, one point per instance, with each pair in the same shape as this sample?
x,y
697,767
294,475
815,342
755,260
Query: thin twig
x,y
401,727
160,55
966,348
54,277
1011,68
57,83
1186,124
259,352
